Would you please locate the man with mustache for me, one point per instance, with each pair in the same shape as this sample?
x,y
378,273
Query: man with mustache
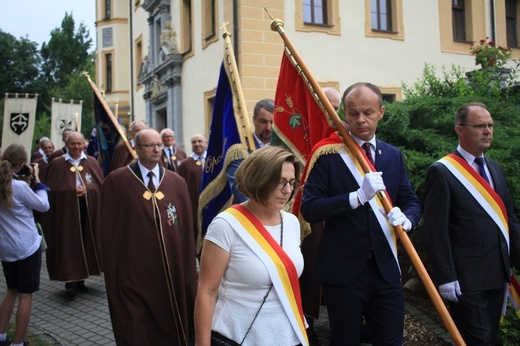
x,y
263,121
472,233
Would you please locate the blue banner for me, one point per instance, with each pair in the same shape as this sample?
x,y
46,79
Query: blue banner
x,y
215,190
107,136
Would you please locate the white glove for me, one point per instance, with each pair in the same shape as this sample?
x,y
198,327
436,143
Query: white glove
x,y
450,291
372,183
396,217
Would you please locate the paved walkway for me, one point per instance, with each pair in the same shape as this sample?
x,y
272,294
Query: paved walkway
x,y
85,320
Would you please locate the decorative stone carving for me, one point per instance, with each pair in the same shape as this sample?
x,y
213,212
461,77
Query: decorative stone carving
x,y
168,41
157,87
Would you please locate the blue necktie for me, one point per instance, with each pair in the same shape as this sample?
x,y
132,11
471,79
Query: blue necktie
x,y
480,163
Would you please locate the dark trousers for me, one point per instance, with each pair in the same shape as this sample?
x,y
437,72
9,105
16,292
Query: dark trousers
x,y
381,303
477,316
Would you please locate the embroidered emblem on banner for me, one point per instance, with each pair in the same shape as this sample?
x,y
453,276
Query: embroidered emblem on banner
x,y
171,214
19,122
64,122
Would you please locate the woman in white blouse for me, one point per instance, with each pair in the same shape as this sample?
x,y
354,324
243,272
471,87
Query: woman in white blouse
x,y
19,239
251,260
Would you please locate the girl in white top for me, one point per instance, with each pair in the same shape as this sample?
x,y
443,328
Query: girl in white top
x,y
233,280
19,239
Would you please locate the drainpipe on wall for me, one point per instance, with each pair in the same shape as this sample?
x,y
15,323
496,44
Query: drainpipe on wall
x,y
131,63
235,30
492,14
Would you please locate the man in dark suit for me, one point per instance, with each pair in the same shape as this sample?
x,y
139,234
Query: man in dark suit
x,y
467,231
357,257
172,155
263,127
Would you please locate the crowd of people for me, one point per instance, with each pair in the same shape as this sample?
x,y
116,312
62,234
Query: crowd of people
x,y
138,227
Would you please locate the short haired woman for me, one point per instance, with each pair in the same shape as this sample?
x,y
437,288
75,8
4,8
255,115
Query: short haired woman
x,y
251,260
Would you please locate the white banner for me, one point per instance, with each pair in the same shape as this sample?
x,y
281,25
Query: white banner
x,y
19,118
65,114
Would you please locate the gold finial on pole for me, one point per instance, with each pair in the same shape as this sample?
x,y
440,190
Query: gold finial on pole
x,y
110,115
239,103
76,118
223,27
277,25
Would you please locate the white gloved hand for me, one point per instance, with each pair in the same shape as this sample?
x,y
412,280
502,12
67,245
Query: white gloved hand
x,y
450,291
372,183
396,217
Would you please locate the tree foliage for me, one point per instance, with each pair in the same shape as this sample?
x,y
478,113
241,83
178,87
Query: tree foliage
x,y
423,124
19,64
54,71
66,52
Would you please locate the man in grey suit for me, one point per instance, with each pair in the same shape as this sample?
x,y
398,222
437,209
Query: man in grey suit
x,y
471,229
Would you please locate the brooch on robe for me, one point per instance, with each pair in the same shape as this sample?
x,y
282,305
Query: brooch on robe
x,y
171,214
74,169
158,194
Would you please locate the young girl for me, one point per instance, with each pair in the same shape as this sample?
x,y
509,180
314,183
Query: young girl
x,y
19,239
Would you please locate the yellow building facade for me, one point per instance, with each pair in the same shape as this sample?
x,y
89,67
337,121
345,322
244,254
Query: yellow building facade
x,y
166,54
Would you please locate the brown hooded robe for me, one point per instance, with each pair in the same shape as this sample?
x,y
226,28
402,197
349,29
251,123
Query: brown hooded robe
x,y
150,263
73,253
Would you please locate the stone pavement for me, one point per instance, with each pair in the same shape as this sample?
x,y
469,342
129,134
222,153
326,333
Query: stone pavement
x,y
85,320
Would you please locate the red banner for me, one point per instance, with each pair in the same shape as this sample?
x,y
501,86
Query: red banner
x,y
298,120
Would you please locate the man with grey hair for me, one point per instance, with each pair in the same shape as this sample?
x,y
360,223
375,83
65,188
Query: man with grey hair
x,y
172,156
62,151
39,150
191,170
333,96
72,224
263,117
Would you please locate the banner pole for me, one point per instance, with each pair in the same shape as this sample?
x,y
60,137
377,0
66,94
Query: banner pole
x,y
110,115
277,25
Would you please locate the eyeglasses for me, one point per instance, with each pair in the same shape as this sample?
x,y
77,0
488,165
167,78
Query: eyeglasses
x,y
293,184
480,127
151,146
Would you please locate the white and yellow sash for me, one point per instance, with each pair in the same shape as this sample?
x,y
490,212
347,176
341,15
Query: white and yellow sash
x,y
280,267
480,190
358,173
